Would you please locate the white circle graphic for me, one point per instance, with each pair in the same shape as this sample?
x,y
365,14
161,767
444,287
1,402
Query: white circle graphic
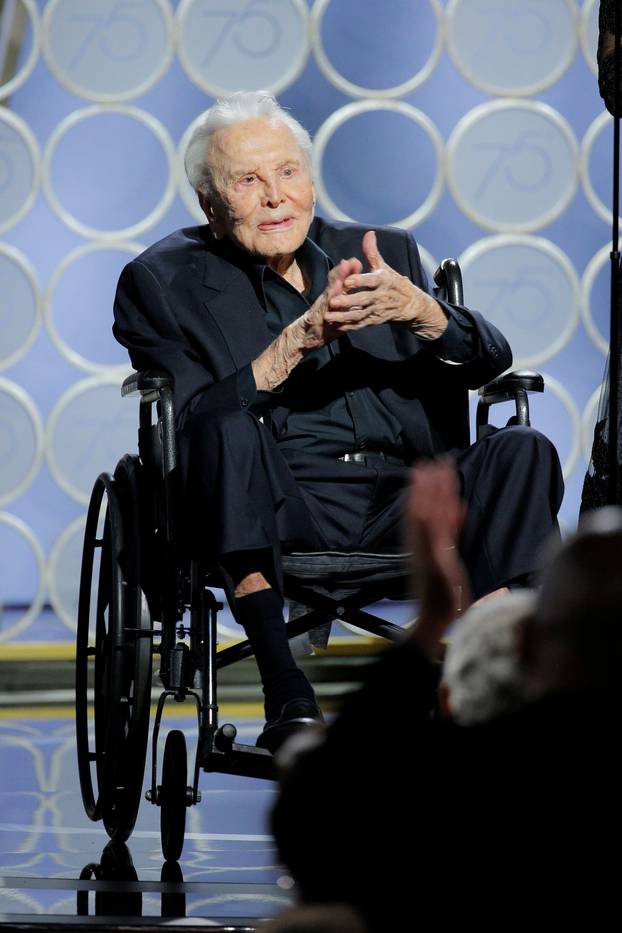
x,y
512,47
556,388
88,431
591,139
243,44
26,555
589,33
21,440
20,316
512,166
588,422
108,50
64,572
593,277
19,169
95,171
377,47
25,10
528,288
350,111
89,323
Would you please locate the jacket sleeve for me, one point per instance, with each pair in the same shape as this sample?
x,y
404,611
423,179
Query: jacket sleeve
x,y
470,342
145,324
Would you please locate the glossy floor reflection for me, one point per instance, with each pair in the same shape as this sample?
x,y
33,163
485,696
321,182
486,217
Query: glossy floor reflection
x,y
229,865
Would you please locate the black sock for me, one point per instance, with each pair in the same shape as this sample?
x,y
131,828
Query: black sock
x,y
261,615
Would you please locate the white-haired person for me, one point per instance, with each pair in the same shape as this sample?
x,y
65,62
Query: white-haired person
x,y
406,815
483,675
328,333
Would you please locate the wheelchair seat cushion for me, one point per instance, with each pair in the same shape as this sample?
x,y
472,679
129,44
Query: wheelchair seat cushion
x,y
346,567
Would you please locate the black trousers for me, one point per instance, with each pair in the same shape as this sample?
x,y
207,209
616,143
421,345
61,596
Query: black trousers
x,y
246,493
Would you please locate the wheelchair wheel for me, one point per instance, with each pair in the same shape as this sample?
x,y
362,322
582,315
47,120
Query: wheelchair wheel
x,y
112,740
173,795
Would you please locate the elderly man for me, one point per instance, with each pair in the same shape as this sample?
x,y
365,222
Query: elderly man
x,y
327,333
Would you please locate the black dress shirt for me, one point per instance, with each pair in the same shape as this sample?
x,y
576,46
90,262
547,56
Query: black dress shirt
x,y
331,413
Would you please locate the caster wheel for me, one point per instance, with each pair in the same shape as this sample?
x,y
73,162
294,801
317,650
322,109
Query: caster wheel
x,y
173,795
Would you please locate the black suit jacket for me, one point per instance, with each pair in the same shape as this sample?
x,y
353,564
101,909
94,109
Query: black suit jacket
x,y
187,307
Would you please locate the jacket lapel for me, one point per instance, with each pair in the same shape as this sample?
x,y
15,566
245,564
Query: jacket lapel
x,y
231,301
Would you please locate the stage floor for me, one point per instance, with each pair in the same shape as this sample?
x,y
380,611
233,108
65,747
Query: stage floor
x,y
54,872
228,873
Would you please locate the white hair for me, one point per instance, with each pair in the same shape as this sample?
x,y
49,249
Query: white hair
x,y
481,670
227,111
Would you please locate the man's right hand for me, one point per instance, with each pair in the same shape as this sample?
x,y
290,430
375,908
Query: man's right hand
x,y
303,335
313,329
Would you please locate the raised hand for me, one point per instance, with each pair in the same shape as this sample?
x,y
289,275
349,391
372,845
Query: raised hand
x,y
436,515
382,295
315,328
307,333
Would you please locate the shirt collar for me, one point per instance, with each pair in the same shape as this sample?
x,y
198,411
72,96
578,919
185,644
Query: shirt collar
x,y
313,261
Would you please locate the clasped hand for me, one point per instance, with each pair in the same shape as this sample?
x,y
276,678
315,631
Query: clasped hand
x,y
355,299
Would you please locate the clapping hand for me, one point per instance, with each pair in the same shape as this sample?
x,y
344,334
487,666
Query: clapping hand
x,y
436,515
383,295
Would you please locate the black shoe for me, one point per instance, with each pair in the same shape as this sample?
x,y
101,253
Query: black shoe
x,y
295,715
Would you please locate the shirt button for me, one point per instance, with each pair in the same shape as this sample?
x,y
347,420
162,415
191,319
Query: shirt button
x,y
244,402
360,445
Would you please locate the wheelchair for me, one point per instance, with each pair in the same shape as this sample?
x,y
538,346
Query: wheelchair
x,y
137,588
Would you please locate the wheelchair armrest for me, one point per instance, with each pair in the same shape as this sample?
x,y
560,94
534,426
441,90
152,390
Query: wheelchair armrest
x,y
154,387
145,383
515,385
448,278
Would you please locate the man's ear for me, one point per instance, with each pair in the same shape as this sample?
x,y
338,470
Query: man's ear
x,y
206,205
208,209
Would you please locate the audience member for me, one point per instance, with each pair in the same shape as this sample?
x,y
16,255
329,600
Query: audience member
x,y
397,812
482,673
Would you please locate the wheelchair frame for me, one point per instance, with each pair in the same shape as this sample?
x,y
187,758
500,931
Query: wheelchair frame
x,y
140,578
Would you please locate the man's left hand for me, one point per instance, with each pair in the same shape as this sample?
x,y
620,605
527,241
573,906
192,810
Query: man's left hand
x,y
386,296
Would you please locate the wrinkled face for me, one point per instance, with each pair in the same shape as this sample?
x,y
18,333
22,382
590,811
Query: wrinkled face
x,y
265,195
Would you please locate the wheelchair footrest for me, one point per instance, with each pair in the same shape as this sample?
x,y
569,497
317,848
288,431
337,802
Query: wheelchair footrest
x,y
242,760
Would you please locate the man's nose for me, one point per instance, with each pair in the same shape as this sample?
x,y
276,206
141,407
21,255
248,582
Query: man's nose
x,y
272,193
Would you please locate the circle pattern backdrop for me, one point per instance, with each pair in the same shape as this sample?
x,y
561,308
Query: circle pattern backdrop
x,y
470,122
19,169
108,51
512,47
513,165
529,289
352,131
384,66
19,305
240,44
